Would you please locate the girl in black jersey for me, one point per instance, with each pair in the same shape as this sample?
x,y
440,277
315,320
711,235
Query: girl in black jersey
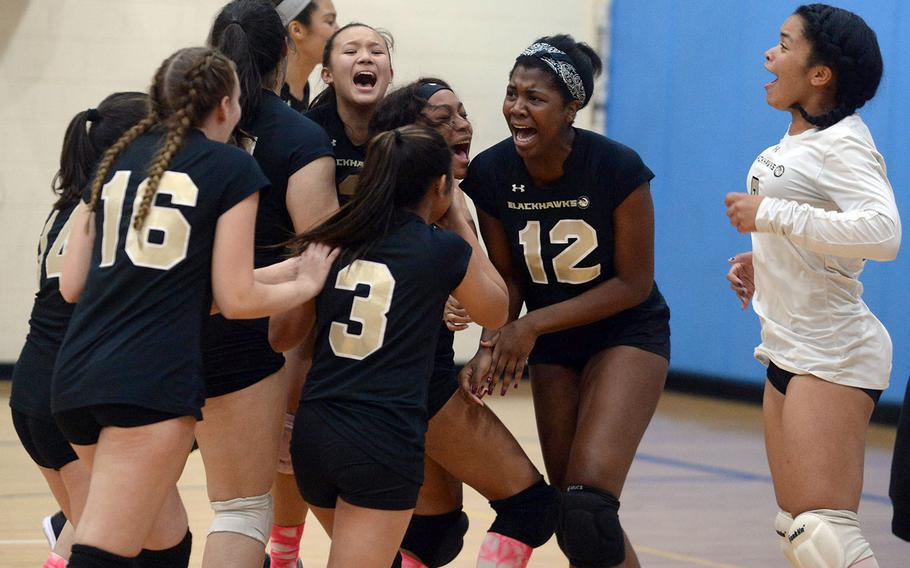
x,y
89,134
499,469
567,218
246,389
173,209
358,440
357,67
309,23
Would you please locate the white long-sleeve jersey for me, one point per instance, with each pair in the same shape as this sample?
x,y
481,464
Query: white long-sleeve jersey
x,y
828,207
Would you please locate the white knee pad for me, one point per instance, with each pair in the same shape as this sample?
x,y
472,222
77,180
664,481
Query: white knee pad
x,y
782,523
284,448
249,516
825,538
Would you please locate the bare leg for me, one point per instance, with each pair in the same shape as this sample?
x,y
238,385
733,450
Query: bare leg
x,y
555,390
238,439
366,538
440,493
69,486
290,508
148,460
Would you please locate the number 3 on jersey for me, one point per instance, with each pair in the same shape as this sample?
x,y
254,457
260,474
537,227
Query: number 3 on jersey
x,y
167,221
584,241
369,311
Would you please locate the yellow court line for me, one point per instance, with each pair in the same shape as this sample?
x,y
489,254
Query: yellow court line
x,y
682,557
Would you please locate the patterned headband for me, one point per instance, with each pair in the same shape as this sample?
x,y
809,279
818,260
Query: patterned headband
x,y
562,64
290,9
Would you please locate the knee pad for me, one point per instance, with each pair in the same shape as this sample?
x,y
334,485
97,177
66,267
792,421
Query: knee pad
x,y
285,465
588,531
249,516
529,516
825,538
436,539
782,524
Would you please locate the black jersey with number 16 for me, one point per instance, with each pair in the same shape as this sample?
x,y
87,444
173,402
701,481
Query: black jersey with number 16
x,y
135,334
377,324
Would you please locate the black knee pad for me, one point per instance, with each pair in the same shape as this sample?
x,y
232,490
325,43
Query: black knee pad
x,y
436,539
529,516
175,557
589,532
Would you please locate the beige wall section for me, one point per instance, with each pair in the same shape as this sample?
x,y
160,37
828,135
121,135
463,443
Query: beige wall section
x,y
58,57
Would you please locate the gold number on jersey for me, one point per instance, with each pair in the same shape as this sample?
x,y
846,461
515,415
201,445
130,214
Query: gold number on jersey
x,y
167,221
583,240
370,310
53,261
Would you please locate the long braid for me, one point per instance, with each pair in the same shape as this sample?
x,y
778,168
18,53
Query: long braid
x,y
178,125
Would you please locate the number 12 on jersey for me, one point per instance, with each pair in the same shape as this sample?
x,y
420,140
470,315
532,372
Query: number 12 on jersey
x,y
584,241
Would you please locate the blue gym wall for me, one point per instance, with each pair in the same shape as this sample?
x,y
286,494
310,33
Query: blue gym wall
x,y
686,91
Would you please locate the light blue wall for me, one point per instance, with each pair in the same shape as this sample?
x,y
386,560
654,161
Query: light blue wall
x,y
686,91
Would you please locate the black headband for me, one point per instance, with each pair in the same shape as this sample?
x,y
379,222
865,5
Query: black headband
x,y
427,90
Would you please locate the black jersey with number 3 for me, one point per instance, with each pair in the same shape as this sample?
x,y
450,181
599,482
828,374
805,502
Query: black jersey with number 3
x,y
31,390
135,334
377,323
348,157
561,235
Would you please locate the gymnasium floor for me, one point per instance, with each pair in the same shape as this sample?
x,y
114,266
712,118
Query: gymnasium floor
x,y
698,494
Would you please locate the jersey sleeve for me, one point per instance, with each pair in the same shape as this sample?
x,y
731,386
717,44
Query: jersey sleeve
x,y
629,172
867,224
246,179
451,257
480,183
311,143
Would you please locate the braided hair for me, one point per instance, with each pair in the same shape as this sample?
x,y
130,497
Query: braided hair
x,y
842,41
186,88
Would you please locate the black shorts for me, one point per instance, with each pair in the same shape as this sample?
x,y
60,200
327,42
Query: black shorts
x,y
327,466
780,378
236,354
43,441
574,347
82,426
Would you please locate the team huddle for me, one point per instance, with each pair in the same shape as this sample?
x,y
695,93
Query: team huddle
x,y
278,281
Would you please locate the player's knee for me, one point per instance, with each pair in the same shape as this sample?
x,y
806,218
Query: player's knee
x,y
782,523
249,516
285,466
589,532
436,539
529,516
825,538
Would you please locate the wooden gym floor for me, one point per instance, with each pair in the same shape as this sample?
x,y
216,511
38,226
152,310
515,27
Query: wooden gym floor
x,y
698,494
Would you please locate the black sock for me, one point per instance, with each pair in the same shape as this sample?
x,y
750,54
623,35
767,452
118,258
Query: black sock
x,y
177,556
84,556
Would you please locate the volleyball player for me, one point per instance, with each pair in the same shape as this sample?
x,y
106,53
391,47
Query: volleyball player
x,y
173,210
357,67
818,204
567,217
499,469
89,134
899,488
246,388
309,23
358,440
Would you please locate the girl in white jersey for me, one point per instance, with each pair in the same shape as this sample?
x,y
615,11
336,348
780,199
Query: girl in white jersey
x,y
818,205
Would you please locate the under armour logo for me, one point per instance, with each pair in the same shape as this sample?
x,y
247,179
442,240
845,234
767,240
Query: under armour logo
x,y
516,187
334,142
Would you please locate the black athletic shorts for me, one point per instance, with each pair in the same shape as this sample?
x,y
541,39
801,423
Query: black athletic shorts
x,y
780,378
82,426
574,347
43,441
236,354
327,466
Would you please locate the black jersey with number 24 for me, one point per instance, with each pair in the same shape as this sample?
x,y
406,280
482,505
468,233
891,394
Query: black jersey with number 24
x,y
135,334
561,235
377,323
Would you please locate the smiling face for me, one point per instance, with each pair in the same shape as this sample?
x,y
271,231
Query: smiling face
x,y
445,113
359,66
538,116
795,82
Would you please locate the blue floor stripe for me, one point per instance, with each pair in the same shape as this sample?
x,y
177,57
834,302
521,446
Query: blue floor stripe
x,y
732,473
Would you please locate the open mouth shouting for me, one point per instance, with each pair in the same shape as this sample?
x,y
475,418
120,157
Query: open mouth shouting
x,y
523,135
365,80
461,152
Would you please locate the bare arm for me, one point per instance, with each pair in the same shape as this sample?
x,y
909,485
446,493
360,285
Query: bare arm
x,y
311,195
78,255
288,329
